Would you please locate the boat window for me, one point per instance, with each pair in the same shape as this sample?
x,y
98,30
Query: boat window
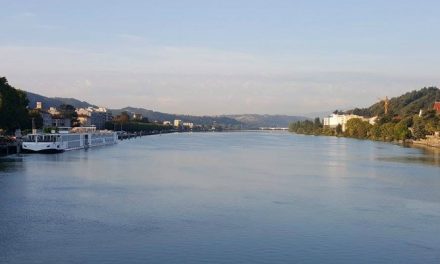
x,y
29,138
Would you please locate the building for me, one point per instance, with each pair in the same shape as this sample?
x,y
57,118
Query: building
x,y
177,123
53,111
137,116
373,120
84,120
94,116
436,107
188,125
336,119
39,106
54,120
167,123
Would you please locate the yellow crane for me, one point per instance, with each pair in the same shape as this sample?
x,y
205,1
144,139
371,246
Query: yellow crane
x,y
386,103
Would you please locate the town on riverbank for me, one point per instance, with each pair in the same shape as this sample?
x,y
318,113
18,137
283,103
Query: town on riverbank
x,y
411,118
19,118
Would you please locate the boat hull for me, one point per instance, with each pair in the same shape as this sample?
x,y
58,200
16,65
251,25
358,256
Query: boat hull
x,y
55,143
42,147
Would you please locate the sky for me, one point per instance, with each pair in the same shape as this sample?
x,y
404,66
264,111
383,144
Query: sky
x,y
221,57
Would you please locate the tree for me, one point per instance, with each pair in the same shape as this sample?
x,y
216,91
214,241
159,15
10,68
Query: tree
x,y
13,107
361,112
401,131
419,131
339,129
38,119
69,112
357,128
387,131
123,118
375,132
317,123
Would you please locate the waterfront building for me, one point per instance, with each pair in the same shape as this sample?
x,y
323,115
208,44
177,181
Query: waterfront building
x,y
167,123
177,123
50,120
91,116
188,125
84,120
137,116
334,120
53,111
436,107
372,120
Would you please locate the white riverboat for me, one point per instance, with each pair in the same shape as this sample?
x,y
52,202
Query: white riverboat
x,y
68,139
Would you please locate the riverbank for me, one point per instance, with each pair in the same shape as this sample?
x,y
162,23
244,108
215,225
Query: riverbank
x,y
429,141
125,135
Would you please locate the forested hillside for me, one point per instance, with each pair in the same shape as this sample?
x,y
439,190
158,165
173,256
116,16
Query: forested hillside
x,y
405,105
403,120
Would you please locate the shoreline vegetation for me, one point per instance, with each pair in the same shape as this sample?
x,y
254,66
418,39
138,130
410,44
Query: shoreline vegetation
x,y
411,119
429,140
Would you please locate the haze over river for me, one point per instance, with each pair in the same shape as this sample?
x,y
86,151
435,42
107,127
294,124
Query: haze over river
x,y
245,197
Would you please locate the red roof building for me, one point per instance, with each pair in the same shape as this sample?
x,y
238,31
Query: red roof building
x,y
437,107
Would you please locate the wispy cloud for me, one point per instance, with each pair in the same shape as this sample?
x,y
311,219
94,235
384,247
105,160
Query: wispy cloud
x,y
131,37
24,15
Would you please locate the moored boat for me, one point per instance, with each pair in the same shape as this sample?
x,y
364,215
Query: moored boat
x,y
68,139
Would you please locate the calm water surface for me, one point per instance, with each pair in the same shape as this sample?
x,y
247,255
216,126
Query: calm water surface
x,y
223,198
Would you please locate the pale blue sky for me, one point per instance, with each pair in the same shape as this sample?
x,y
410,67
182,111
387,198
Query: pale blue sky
x,y
216,57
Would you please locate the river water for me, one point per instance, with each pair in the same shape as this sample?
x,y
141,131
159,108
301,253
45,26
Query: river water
x,y
245,197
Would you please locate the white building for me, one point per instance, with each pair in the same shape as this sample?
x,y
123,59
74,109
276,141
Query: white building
x,y
94,116
335,119
167,123
188,125
177,123
373,120
53,111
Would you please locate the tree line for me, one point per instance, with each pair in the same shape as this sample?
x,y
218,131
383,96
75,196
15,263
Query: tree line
x,y
124,122
15,113
13,108
386,128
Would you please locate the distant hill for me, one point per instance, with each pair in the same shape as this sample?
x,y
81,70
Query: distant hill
x,y
256,121
405,105
248,121
54,101
320,114
159,116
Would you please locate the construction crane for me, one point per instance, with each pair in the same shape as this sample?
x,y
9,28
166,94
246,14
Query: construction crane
x,y
386,103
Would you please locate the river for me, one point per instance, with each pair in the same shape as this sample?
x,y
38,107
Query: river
x,y
245,197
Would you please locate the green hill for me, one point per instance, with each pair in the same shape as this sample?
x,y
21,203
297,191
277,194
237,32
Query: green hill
x,y
405,105
250,121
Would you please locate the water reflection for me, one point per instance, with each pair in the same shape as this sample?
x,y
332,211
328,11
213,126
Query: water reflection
x,y
427,156
223,198
9,162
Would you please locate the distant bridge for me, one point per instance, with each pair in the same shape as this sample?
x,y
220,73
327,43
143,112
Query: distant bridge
x,y
274,128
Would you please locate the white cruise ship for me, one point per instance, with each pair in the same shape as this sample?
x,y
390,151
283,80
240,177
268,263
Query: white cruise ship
x,y
68,139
